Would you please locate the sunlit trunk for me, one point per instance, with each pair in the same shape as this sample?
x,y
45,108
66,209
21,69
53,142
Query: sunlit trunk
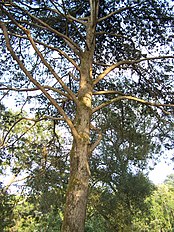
x,y
76,198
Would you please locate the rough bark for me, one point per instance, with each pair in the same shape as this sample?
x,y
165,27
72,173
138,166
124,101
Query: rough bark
x,y
76,198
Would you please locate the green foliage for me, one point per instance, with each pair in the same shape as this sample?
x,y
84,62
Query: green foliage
x,y
27,217
161,211
32,148
123,188
96,223
118,207
6,211
107,210
169,181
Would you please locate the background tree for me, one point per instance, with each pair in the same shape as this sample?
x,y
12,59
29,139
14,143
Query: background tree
x,y
70,53
125,203
6,210
39,174
42,191
161,210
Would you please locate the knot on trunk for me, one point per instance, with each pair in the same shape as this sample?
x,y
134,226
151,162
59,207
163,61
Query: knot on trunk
x,y
84,137
85,97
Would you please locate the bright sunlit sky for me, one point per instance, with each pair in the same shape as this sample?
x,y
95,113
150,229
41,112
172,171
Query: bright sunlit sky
x,y
162,169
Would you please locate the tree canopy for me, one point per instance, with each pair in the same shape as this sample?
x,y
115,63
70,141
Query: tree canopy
x,y
103,69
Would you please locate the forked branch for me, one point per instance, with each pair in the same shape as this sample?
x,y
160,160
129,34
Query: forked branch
x,y
114,12
27,32
50,47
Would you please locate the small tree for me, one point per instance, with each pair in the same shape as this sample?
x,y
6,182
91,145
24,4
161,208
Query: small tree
x,y
70,55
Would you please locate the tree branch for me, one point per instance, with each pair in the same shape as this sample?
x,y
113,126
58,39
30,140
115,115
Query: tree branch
x,y
50,47
6,88
27,119
27,32
94,6
114,12
71,18
98,140
107,92
51,69
127,62
119,98
36,83
70,43
19,120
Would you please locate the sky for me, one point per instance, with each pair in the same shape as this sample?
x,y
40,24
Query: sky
x,y
164,167
159,174
161,171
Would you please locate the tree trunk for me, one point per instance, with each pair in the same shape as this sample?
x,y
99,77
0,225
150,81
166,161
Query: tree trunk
x,y
77,191
76,198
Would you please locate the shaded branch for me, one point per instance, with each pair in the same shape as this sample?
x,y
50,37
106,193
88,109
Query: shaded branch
x,y
11,128
50,47
101,64
114,12
71,18
68,16
27,119
119,98
72,44
98,140
127,62
73,77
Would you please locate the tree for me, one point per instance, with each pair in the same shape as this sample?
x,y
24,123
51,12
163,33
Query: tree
x,y
161,209
66,54
46,177
6,210
169,181
39,174
125,203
